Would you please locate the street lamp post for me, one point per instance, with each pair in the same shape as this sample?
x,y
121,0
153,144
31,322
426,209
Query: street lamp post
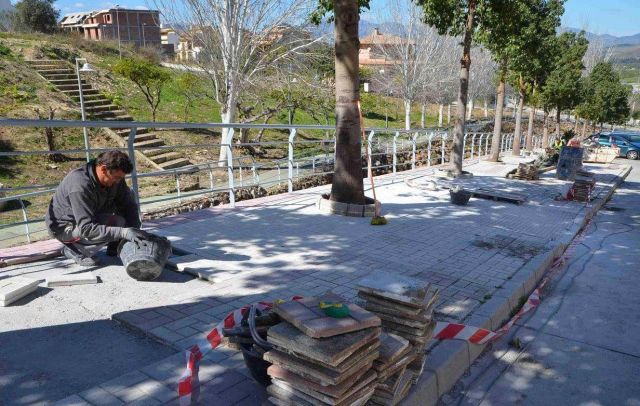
x,y
85,68
117,7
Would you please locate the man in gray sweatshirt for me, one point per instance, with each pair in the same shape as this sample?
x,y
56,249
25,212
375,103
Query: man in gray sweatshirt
x,y
93,207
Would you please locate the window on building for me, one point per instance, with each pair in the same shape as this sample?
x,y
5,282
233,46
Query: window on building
x,y
108,18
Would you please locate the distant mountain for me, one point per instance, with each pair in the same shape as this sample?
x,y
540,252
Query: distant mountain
x,y
609,40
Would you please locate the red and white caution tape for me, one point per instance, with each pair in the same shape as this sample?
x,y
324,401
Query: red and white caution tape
x,y
189,385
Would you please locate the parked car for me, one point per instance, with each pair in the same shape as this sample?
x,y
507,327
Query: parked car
x,y
629,143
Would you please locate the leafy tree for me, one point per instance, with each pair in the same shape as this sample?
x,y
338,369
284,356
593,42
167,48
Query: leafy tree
x,y
149,78
466,18
562,87
35,15
605,97
528,58
189,86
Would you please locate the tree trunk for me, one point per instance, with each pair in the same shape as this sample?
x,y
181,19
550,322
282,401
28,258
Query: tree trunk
x,y
518,129
229,115
440,115
486,108
422,116
407,114
584,128
545,129
470,111
558,111
347,184
529,141
463,91
497,124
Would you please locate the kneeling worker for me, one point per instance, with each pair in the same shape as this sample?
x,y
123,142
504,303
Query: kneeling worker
x,y
93,207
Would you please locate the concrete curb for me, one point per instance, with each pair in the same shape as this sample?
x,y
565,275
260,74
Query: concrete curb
x,y
449,360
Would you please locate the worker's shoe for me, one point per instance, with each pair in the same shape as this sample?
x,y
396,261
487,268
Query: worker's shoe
x,y
112,248
77,257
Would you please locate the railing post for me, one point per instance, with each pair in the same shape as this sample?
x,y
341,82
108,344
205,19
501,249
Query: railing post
x,y
292,135
464,145
473,141
134,171
211,182
177,175
26,220
232,187
395,151
413,151
443,137
429,149
370,150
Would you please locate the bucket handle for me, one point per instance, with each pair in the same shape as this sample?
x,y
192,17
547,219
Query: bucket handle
x,y
252,329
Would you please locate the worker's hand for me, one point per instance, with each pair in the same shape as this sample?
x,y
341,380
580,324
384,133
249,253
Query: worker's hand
x,y
135,235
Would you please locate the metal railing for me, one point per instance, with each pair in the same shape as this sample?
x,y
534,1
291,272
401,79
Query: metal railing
x,y
391,150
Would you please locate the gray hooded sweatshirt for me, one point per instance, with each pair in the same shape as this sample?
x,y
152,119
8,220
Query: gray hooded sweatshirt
x,y
79,198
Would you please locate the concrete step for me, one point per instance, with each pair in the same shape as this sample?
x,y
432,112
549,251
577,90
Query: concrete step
x,y
76,93
93,109
142,137
97,101
150,153
44,64
124,132
175,163
118,118
108,114
165,157
72,81
70,86
60,76
156,142
50,72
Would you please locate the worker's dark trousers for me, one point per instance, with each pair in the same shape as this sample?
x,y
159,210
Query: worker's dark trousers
x,y
71,235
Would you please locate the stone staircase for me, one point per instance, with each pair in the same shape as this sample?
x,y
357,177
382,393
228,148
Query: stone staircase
x,y
63,77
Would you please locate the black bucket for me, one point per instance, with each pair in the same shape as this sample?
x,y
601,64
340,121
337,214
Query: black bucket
x,y
256,364
460,198
145,262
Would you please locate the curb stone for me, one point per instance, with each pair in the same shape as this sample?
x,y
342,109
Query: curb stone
x,y
449,360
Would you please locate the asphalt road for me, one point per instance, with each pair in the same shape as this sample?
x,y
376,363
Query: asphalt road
x,y
581,345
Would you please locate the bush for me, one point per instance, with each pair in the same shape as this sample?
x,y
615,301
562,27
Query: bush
x,y
149,77
4,50
57,52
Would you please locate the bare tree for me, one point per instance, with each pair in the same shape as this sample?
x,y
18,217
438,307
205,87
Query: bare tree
x,y
480,77
240,41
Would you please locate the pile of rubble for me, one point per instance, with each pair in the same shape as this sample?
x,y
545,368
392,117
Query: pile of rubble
x,y
526,172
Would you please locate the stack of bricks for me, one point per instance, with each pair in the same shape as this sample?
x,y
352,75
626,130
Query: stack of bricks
x,y
405,306
583,185
320,360
394,379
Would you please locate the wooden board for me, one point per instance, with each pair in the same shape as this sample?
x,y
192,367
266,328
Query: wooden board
x,y
317,373
493,194
332,350
307,316
397,288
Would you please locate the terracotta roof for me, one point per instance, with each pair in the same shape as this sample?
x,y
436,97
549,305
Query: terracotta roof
x,y
377,38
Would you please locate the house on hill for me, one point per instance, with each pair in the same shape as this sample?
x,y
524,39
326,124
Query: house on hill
x,y
376,53
139,27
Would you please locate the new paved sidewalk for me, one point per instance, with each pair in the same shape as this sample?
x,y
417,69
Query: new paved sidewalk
x,y
484,257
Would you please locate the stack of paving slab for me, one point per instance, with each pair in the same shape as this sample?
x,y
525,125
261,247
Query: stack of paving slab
x,y
583,185
15,288
405,306
319,360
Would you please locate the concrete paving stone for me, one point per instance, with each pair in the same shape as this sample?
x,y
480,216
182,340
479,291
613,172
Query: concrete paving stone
x,y
156,390
150,324
123,382
73,400
225,389
187,331
167,371
100,397
171,313
448,361
166,334
145,401
184,322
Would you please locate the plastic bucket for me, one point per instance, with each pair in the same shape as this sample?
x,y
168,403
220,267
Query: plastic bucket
x,y
460,198
145,262
256,364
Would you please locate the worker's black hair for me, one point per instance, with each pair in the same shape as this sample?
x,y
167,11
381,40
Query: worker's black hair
x,y
115,160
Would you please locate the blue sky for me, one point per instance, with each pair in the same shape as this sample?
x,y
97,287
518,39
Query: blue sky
x,y
615,17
